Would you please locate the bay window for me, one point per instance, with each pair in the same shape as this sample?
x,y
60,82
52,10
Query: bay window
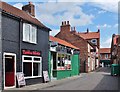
x,y
29,33
32,66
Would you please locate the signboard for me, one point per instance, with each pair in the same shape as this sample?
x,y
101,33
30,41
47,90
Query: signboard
x,y
31,52
45,75
20,79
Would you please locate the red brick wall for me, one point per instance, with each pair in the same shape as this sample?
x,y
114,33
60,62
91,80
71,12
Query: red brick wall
x,y
103,57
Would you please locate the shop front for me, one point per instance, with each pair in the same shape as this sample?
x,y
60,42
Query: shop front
x,y
32,64
64,61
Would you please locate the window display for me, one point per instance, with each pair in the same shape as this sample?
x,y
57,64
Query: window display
x,y
64,62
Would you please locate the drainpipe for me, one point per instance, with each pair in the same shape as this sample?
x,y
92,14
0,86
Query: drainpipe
x,y
1,56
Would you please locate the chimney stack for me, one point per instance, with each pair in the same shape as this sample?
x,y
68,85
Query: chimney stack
x,y
30,8
65,27
73,30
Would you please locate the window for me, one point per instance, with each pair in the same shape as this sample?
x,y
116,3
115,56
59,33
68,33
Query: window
x,y
29,33
64,62
32,66
106,56
94,41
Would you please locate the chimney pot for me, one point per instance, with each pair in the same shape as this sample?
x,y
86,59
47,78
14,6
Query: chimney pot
x,y
67,22
62,23
29,8
74,28
98,30
30,3
87,30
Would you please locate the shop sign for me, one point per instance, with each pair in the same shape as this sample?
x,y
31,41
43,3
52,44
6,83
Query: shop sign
x,y
31,52
20,79
53,44
45,75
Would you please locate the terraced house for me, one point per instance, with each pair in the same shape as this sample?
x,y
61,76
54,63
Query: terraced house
x,y
24,45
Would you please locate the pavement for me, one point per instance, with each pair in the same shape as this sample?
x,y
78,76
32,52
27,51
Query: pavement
x,y
96,80
46,85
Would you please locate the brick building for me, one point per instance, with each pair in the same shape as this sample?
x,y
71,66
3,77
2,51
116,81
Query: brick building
x,y
87,49
115,49
105,56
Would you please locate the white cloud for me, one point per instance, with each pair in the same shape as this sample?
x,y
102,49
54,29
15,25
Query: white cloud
x,y
111,5
106,44
104,26
107,5
101,12
55,13
54,32
18,5
116,25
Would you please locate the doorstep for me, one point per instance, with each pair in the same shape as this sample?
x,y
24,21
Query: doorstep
x,y
46,85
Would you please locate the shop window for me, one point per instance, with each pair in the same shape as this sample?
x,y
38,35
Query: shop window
x,y
27,68
36,69
32,66
29,33
64,62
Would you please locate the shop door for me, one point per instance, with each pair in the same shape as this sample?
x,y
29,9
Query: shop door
x,y
9,66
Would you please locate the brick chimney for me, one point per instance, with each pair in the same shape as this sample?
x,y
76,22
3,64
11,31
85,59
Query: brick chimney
x,y
73,30
65,27
30,8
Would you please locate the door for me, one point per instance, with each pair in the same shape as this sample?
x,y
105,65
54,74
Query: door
x,y
53,64
9,70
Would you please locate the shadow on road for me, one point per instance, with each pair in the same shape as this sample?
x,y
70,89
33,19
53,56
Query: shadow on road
x,y
108,82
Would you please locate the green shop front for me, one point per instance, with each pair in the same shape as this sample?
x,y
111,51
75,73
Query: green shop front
x,y
63,60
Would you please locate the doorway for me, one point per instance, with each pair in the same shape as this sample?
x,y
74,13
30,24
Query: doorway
x,y
9,70
53,64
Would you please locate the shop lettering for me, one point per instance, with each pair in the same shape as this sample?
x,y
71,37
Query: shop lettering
x,y
29,52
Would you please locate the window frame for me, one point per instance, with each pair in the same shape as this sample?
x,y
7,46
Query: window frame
x,y
64,61
32,61
93,41
30,34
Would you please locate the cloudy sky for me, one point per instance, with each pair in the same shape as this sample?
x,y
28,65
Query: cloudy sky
x,y
82,14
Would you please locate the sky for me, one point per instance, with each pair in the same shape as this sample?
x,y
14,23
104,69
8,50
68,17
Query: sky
x,y
82,14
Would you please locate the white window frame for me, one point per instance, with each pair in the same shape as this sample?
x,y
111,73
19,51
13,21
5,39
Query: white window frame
x,y
32,61
64,61
106,56
30,34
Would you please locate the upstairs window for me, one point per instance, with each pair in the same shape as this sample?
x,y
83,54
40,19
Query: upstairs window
x,y
94,41
29,33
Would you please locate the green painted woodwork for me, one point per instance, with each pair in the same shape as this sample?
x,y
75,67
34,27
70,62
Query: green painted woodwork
x,y
60,74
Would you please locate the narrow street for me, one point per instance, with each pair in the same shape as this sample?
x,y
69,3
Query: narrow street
x,y
98,80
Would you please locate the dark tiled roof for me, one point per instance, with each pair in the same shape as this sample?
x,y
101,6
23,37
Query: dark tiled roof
x,y
21,14
62,42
